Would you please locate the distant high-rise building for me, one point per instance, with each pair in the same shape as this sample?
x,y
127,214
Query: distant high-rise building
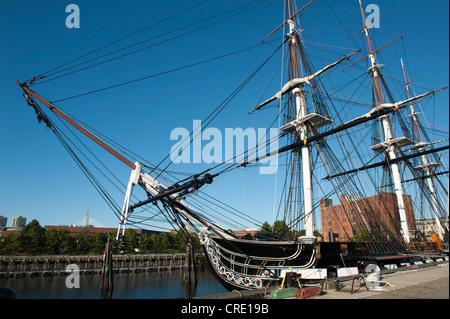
x,y
3,221
18,222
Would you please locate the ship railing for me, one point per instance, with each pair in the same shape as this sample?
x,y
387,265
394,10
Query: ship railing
x,y
423,246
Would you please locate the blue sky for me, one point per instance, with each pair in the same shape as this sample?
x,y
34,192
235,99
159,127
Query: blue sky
x,y
38,180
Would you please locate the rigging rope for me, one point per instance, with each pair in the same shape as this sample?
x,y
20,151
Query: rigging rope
x,y
221,107
140,42
158,74
63,138
45,74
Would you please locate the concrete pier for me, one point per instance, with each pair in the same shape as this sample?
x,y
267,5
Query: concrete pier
x,y
419,281
422,283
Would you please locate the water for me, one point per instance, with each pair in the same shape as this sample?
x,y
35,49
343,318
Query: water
x,y
152,285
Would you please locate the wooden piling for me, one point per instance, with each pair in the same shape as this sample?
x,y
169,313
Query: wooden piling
x,y
106,284
190,268
189,272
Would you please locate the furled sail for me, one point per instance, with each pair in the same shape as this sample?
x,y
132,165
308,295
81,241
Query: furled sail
x,y
292,84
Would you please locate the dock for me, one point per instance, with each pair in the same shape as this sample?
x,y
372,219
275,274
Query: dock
x,y
420,281
430,282
55,265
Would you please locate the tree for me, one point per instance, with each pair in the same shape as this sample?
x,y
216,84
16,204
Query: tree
x,y
66,242
146,243
112,234
35,239
98,243
52,243
32,238
131,240
82,242
181,238
195,242
266,227
164,241
281,229
10,244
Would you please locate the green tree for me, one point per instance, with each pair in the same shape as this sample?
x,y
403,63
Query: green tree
x,y
131,240
146,243
281,229
52,242
98,243
195,241
82,242
10,244
179,240
66,242
154,239
112,234
32,238
35,239
163,241
266,227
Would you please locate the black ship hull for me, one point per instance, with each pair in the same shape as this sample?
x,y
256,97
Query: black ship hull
x,y
250,264
240,264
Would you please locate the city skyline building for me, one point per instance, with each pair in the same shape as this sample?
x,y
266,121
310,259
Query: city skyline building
x,y
18,222
3,221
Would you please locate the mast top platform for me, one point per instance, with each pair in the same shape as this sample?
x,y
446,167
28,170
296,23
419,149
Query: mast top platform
x,y
315,119
399,141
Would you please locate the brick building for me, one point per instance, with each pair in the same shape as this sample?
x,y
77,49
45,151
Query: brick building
x,y
340,222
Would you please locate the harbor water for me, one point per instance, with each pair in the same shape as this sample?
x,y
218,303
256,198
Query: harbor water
x,y
143,285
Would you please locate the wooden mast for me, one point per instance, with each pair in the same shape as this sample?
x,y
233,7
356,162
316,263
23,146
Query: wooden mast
x,y
302,111
61,114
388,134
426,165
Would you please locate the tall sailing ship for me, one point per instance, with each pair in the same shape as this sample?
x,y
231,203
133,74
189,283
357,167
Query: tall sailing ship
x,y
313,137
